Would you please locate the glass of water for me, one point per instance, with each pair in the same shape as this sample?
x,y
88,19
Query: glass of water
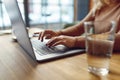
x,y
99,45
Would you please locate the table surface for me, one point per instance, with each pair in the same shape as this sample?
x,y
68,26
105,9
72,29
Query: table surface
x,y
15,64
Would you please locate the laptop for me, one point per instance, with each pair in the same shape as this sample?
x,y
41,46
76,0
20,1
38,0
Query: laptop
x,y
35,48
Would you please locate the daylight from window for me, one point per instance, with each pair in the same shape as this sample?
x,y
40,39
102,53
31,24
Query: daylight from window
x,y
42,12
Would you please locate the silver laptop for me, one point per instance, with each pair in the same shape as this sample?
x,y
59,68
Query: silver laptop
x,y
35,48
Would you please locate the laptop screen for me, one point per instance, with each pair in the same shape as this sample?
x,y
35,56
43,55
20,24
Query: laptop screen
x,y
18,25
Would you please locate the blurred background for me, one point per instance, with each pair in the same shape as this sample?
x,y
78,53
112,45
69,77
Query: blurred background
x,y
47,14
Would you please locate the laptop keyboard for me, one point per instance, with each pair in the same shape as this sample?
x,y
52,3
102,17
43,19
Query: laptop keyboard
x,y
42,49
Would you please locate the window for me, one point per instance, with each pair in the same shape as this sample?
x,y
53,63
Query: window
x,y
4,18
42,12
51,12
21,6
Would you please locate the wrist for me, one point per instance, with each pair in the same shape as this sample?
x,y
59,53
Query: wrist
x,y
79,42
59,33
75,42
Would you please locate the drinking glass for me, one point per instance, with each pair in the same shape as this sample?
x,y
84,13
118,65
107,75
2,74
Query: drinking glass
x,y
100,37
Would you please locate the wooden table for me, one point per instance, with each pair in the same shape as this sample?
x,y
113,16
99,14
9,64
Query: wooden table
x,y
15,64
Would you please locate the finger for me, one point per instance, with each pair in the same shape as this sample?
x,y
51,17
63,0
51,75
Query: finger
x,y
39,35
43,34
57,43
52,41
48,37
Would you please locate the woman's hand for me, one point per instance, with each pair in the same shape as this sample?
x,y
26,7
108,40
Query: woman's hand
x,y
48,34
64,40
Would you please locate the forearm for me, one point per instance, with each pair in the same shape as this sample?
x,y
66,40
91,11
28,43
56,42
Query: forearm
x,y
80,42
75,30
